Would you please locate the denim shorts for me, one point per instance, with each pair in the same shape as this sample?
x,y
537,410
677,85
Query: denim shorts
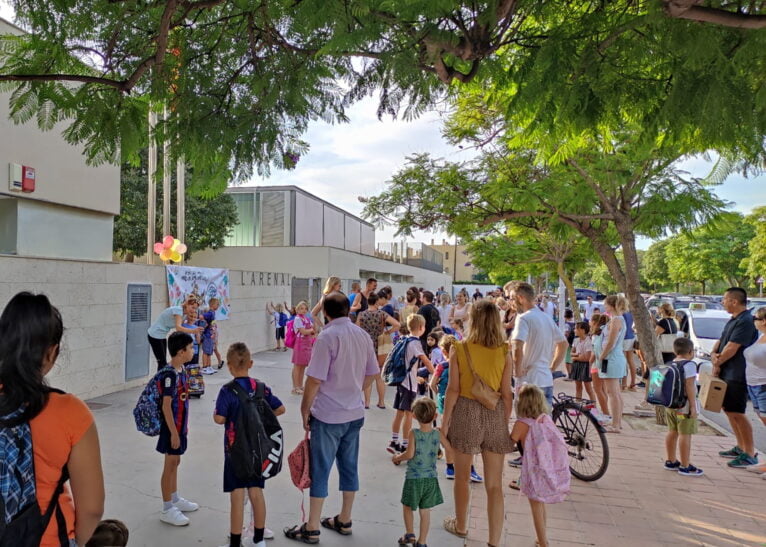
x,y
334,443
548,392
758,397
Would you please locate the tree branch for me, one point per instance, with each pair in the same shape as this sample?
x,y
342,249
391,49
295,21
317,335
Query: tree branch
x,y
117,84
689,9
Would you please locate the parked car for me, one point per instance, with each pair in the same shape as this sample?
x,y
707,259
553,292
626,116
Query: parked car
x,y
704,328
583,294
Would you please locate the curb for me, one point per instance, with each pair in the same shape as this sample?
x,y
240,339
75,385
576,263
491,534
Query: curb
x,y
722,430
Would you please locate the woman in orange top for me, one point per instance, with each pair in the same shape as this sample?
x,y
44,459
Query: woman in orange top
x,y
471,427
62,427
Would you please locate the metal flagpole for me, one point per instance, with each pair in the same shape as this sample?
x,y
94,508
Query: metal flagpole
x,y
181,199
152,189
166,172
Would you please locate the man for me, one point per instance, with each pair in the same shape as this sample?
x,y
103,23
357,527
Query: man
x,y
548,307
477,295
590,308
431,314
356,288
343,363
729,364
360,302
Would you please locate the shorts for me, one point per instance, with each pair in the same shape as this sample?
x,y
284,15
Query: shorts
x,y
475,428
758,396
208,345
338,444
680,422
231,482
280,333
580,371
421,493
735,398
627,344
404,398
163,443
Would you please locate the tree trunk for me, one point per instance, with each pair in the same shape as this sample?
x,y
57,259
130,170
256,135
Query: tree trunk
x,y
129,257
570,289
703,287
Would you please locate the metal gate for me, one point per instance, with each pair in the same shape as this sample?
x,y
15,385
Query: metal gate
x,y
308,289
136,325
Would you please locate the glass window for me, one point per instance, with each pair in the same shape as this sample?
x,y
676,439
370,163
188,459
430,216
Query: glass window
x,y
446,255
243,233
709,328
274,214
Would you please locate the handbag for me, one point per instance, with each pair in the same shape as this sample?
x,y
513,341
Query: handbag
x,y
299,462
480,391
667,339
385,344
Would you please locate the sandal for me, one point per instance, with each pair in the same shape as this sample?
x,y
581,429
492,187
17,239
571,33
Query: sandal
x,y
514,485
299,533
382,407
343,528
450,524
408,539
612,429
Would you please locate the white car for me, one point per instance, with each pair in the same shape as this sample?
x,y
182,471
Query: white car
x,y
704,329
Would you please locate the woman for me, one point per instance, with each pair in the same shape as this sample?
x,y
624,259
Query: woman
x,y
666,325
627,347
509,318
171,318
62,429
304,342
471,427
444,308
331,285
412,306
373,320
755,373
613,365
461,310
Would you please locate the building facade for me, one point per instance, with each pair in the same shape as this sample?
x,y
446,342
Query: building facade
x,y
456,261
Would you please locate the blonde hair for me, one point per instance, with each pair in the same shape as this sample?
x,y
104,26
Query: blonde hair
x,y
330,283
500,301
486,329
214,300
445,344
760,313
279,307
617,302
424,410
415,321
302,303
444,299
530,402
667,310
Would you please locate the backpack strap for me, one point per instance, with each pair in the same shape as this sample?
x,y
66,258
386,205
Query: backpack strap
x,y
55,506
260,389
238,391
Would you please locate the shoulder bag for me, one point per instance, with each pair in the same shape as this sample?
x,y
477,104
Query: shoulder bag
x,y
385,344
480,391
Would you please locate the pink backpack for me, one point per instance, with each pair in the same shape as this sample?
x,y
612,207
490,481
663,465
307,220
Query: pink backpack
x,y
545,472
298,461
290,334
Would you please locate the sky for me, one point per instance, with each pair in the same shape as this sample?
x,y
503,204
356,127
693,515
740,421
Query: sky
x,y
346,161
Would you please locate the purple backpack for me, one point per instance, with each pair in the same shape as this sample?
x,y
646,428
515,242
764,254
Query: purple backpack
x,y
545,475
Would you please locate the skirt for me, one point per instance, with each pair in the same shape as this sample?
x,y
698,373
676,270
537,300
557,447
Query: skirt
x,y
580,371
475,428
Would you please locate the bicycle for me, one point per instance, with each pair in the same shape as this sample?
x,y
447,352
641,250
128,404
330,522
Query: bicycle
x,y
584,435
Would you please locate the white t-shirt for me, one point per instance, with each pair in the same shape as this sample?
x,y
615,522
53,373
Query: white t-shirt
x,y
755,357
581,347
540,336
444,314
414,349
550,309
690,371
299,323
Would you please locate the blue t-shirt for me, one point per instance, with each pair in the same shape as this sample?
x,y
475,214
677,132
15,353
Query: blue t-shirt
x,y
209,318
165,322
227,405
629,332
175,384
389,309
199,323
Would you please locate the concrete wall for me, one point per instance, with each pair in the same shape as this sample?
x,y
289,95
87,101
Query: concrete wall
x,y
8,223
92,298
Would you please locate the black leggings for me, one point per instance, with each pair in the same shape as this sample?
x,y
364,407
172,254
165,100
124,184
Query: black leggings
x,y
160,350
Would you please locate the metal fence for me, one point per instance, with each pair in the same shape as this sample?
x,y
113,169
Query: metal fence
x,y
419,255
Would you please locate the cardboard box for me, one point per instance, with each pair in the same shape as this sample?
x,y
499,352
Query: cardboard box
x,y
712,391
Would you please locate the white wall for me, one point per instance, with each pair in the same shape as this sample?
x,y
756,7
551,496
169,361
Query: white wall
x,y
92,298
368,240
353,235
334,228
308,221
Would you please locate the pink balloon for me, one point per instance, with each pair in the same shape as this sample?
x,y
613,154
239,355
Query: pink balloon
x,y
181,248
158,248
167,241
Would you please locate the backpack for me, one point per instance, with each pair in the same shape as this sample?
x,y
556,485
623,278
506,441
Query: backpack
x,y
282,319
147,413
667,385
256,452
545,474
395,369
21,522
444,380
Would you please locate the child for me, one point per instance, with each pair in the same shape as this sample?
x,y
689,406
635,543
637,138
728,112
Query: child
x,y
436,356
457,326
209,336
196,380
582,348
421,486
682,422
304,342
279,318
439,382
549,465
226,412
597,323
174,427
192,321
406,391
109,533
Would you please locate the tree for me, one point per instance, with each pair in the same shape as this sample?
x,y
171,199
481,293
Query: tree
x,y
208,220
655,265
755,263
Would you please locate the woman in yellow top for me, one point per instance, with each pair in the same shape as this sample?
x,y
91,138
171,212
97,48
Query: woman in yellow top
x,y
472,428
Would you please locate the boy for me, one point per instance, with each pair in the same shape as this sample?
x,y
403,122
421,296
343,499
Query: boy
x,y
174,394
209,336
407,390
279,318
192,321
682,422
196,381
226,411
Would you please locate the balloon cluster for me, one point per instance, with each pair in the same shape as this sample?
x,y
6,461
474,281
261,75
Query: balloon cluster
x,y
170,249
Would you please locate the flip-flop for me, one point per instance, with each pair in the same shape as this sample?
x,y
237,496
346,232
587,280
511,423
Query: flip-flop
x,y
450,524
514,485
299,533
382,407
343,528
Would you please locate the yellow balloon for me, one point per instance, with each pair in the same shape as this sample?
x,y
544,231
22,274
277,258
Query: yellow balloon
x,y
166,255
175,257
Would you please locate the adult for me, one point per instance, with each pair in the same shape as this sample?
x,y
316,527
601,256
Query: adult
x,y
477,295
461,310
356,288
755,373
509,317
728,357
538,345
627,347
63,434
332,285
431,315
548,307
387,306
666,325
342,365
412,305
373,321
613,364
471,427
589,308
444,308
360,302
171,318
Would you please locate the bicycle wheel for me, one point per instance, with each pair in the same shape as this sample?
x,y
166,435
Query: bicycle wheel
x,y
586,441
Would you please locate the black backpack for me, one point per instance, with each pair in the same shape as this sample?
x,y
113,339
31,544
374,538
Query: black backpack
x,y
257,450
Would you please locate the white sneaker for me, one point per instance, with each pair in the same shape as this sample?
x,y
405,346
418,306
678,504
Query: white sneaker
x,y
757,468
174,516
185,505
268,534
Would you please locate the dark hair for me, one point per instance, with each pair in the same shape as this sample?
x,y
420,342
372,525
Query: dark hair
x,y
372,280
739,294
583,325
568,314
336,305
238,354
178,341
682,346
30,327
436,335
109,533
603,319
387,289
424,410
373,298
428,296
413,295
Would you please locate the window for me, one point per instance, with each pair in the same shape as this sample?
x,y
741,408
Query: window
x,y
446,255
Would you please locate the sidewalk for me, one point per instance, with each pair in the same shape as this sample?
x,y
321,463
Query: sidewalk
x,y
638,502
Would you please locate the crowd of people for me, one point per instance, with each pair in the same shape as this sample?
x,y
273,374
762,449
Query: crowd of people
x,y
473,365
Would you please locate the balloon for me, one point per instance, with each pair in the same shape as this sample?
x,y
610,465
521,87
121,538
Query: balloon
x,y
167,241
170,249
175,256
158,248
181,248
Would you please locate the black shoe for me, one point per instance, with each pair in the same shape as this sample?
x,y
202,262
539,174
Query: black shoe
x,y
394,448
220,365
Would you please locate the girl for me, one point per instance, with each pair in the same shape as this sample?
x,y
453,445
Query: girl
x,y
461,310
582,348
613,363
373,321
597,323
61,427
413,304
438,385
444,308
304,341
532,411
457,326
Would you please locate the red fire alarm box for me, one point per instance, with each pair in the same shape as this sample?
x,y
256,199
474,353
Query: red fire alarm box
x,y
27,179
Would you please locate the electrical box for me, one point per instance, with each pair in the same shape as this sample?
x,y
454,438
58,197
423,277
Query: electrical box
x,y
27,178
15,182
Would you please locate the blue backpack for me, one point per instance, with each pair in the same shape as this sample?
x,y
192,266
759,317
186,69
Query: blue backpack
x,y
21,522
395,369
147,413
282,319
667,385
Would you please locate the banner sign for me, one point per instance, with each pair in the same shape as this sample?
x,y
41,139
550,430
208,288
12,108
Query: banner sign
x,y
204,283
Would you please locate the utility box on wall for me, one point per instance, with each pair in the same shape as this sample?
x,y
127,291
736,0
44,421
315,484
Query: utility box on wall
x,y
21,178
